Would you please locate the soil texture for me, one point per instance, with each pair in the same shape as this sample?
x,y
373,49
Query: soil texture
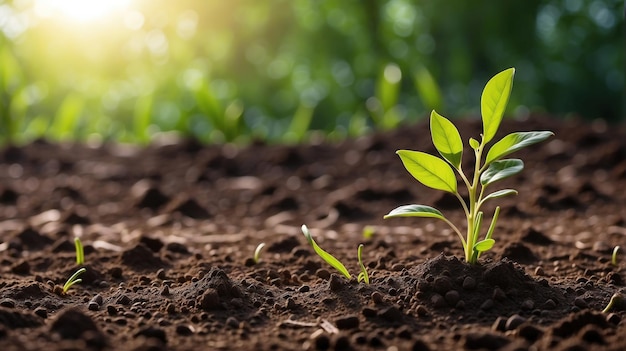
x,y
170,230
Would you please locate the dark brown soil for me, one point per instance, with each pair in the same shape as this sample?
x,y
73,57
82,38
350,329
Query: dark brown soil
x,y
169,234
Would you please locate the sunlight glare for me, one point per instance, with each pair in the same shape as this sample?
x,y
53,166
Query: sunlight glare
x,y
80,10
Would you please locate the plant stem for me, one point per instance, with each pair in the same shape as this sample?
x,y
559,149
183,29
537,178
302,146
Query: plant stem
x,y
473,210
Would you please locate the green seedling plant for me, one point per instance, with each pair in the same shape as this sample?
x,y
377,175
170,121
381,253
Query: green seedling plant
x,y
257,252
73,280
616,299
614,255
439,173
363,276
80,253
334,262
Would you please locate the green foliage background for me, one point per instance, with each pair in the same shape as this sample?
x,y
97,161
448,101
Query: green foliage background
x,y
277,69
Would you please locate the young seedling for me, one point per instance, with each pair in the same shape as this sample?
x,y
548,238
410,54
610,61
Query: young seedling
x,y
80,253
73,280
363,276
334,262
614,256
257,252
438,173
616,299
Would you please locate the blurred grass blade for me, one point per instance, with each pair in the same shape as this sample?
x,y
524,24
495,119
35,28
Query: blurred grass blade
x,y
143,117
66,119
300,124
233,116
428,89
209,106
384,113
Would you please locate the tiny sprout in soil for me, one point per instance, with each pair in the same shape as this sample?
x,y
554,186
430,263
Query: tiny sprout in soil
x,y
616,299
257,252
363,276
438,173
80,253
614,256
73,280
334,262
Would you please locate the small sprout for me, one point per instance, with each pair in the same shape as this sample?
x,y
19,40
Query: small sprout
x,y
80,253
335,263
363,276
330,259
616,299
614,256
368,232
257,252
489,167
73,280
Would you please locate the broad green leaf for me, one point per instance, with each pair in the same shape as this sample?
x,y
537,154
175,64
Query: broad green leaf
x,y
474,143
484,245
429,170
447,139
330,259
494,100
514,142
501,169
499,194
415,211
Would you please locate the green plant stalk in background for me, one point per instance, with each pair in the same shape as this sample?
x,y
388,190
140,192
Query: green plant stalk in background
x,y
80,253
439,173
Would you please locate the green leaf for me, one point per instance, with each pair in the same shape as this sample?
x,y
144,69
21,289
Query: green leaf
x,y
447,139
330,259
514,142
415,211
499,194
494,100
474,143
429,170
484,245
501,169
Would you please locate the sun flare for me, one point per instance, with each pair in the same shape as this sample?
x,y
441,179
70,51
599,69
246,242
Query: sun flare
x,y
79,10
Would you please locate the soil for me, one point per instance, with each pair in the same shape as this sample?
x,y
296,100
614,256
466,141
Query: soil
x,y
170,231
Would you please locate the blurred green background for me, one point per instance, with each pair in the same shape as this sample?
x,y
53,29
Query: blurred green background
x,y
278,70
